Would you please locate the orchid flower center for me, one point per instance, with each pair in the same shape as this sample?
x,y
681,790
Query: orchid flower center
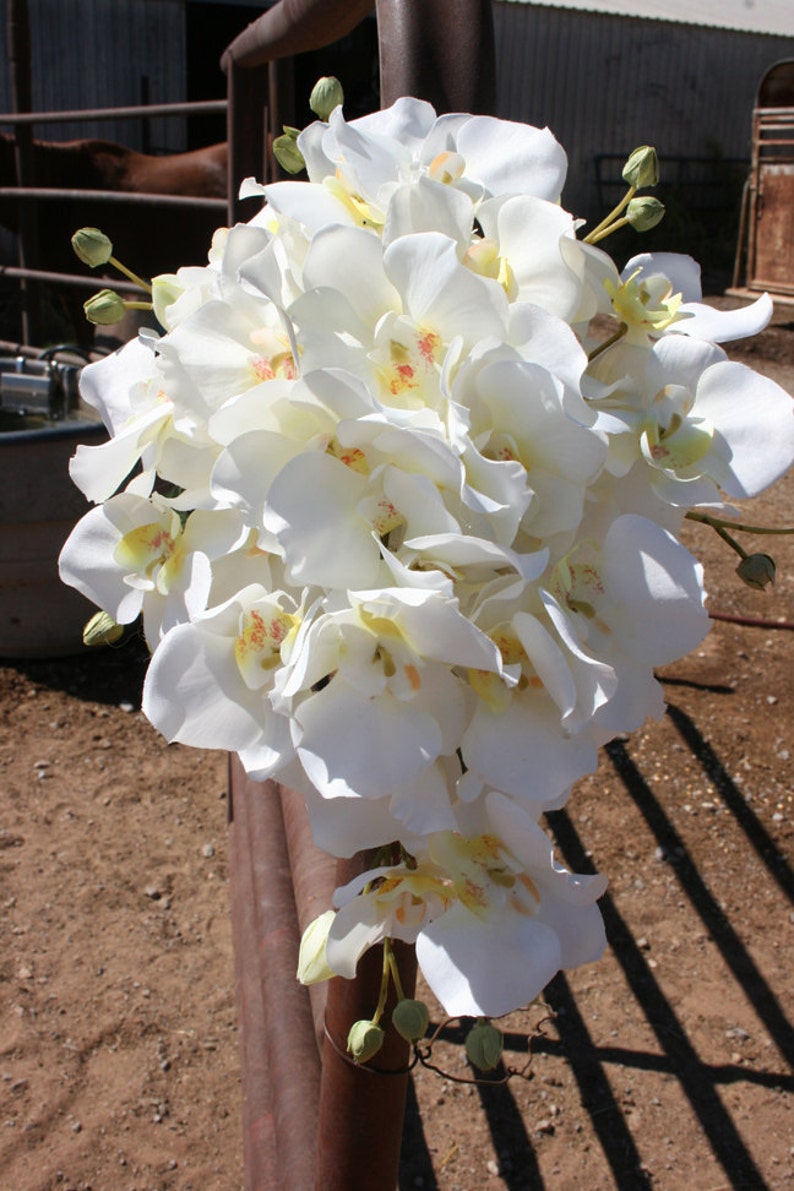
x,y
648,304
485,877
152,554
257,648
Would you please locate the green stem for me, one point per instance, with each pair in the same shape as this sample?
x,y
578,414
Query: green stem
x,y
395,971
137,305
144,285
384,983
594,237
734,545
613,214
602,347
718,523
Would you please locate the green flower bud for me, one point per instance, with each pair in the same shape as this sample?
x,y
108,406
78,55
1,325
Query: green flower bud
x,y
642,167
484,1046
364,1040
326,95
644,212
165,291
312,964
101,630
757,570
410,1019
104,309
92,246
287,153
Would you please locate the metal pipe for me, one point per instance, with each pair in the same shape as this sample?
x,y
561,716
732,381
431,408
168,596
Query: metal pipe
x,y
314,880
362,1109
199,108
246,134
281,1066
73,279
439,50
21,98
293,27
113,196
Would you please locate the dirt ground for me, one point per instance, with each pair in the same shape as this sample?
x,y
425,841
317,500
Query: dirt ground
x,y
666,1065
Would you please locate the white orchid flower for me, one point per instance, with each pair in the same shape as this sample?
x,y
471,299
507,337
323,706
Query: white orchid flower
x,y
126,390
493,915
699,423
374,699
355,167
132,555
210,680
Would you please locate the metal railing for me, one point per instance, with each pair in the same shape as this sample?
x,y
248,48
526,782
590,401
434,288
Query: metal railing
x,y
26,192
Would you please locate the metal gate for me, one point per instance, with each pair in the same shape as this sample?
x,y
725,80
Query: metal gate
x,y
765,250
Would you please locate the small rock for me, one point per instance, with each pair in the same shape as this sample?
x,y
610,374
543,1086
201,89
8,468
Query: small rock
x,y
126,707
492,1167
207,851
544,1126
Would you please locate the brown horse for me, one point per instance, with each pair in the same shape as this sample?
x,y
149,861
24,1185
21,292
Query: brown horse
x,y
148,239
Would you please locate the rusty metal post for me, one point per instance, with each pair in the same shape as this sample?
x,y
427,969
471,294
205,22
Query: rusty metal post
x,y
438,50
362,1109
280,1061
22,101
246,133
313,881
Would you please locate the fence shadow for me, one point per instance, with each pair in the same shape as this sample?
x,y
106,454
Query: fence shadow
x,y
700,1082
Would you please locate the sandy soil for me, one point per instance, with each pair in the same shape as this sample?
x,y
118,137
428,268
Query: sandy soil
x,y
667,1065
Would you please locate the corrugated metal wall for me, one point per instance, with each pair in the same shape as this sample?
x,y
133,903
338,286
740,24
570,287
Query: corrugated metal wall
x,y
605,84
105,53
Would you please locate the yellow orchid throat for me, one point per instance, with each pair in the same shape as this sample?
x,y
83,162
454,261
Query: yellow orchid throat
x,y
362,214
153,551
648,304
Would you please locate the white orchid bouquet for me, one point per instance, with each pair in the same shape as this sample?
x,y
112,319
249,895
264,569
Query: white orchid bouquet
x,y
404,533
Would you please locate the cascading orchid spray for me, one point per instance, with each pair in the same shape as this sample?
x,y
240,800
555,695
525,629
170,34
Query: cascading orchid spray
x,y
404,534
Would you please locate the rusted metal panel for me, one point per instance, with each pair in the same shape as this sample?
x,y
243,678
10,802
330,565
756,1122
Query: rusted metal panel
x,y
765,247
773,267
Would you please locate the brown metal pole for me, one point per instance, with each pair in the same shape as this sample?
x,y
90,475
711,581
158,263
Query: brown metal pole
x,y
438,50
22,101
280,1063
362,1109
246,132
293,27
313,880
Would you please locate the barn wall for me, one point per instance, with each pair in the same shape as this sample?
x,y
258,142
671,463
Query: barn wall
x,y
105,53
605,84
